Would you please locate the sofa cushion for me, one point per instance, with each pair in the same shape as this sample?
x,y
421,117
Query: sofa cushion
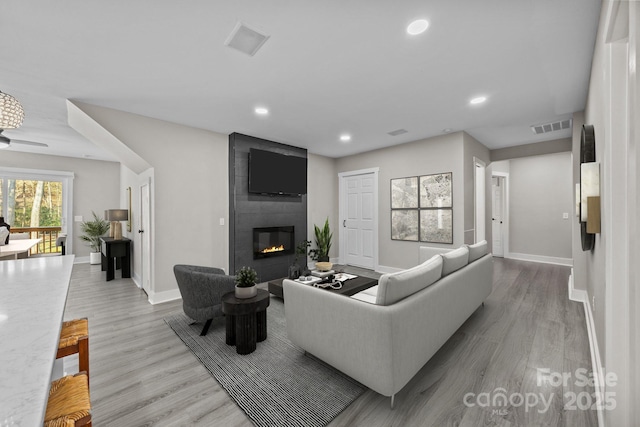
x,y
477,250
396,286
371,291
371,299
454,260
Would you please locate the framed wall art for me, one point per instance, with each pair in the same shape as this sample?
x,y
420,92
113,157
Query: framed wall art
x,y
422,208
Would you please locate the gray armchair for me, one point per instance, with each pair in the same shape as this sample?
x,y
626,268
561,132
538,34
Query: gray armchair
x,y
202,289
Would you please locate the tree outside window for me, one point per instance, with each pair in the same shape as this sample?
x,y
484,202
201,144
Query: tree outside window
x,y
30,203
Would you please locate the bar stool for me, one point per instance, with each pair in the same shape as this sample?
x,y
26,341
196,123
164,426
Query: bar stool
x,y
69,403
74,338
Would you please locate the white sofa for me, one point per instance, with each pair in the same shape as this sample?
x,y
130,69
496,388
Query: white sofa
x,y
383,343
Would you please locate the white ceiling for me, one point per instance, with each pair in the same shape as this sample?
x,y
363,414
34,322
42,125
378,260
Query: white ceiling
x,y
329,67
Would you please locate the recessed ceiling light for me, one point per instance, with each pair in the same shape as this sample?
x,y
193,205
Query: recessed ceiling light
x,y
447,130
261,111
418,26
478,100
345,138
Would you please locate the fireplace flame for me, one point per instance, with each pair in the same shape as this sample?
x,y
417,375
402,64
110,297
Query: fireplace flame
x,y
272,249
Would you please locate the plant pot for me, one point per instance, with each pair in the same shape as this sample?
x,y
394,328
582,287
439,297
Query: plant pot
x,y
248,292
95,258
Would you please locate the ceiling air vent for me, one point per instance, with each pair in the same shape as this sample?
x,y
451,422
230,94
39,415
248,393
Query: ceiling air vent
x,y
245,39
397,132
551,127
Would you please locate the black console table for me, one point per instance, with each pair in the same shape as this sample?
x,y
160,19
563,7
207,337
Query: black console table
x,y
118,251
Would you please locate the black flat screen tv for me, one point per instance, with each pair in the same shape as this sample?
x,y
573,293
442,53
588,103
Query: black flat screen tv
x,y
277,174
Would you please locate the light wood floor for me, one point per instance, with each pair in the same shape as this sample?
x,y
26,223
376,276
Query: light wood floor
x,y
142,374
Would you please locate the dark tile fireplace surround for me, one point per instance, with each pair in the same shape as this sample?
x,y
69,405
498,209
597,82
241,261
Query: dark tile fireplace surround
x,y
257,220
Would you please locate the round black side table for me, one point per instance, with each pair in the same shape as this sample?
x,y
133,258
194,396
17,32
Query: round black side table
x,y
246,320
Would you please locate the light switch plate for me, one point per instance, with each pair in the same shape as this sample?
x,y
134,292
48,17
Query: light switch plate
x,y
77,218
565,215
221,221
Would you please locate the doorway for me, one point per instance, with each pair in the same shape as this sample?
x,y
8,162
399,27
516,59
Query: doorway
x,y
145,237
499,215
359,218
480,168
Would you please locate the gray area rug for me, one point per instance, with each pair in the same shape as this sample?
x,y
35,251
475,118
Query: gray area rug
x,y
276,385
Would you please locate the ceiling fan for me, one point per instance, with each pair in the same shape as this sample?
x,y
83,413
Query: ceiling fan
x,y
6,142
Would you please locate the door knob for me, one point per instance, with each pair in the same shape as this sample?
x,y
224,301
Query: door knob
x,y
344,222
140,231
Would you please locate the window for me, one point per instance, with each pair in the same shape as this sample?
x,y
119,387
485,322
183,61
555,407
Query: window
x,y
38,203
31,203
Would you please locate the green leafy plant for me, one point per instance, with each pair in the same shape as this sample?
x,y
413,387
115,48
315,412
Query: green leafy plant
x,y
323,242
246,277
93,230
301,249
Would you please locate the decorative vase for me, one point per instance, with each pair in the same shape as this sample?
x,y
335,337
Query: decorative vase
x,y
246,292
95,258
294,271
4,224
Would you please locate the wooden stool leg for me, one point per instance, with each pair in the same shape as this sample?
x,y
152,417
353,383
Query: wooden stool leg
x,y
83,355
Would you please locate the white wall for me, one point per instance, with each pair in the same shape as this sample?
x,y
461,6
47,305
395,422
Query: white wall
x,y
190,191
95,186
322,198
434,155
540,192
612,275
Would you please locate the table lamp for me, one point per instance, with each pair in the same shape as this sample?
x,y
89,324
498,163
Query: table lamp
x,y
115,216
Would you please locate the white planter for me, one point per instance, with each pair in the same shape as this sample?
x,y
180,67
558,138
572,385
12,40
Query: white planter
x,y
95,258
249,292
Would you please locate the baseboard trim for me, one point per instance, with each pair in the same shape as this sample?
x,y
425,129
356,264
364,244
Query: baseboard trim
x,y
165,296
540,258
136,279
581,295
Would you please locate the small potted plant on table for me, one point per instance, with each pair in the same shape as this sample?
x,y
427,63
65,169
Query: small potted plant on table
x,y
93,230
246,283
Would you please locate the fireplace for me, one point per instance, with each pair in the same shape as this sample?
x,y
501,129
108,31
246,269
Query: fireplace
x,y
273,241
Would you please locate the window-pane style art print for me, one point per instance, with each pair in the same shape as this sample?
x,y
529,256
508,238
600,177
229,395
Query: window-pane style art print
x,y
404,224
435,191
404,193
436,225
422,208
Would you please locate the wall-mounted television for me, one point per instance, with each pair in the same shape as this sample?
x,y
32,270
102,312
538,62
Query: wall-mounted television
x,y
275,173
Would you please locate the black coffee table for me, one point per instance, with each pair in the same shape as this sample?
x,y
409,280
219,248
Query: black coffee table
x,y
246,320
349,287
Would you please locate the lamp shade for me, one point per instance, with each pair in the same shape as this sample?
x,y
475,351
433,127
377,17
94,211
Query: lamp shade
x,y
117,215
11,112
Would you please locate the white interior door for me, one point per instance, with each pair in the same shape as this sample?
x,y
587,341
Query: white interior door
x,y
145,237
359,207
497,215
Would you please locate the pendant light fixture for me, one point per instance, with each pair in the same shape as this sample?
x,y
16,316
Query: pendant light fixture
x,y
11,116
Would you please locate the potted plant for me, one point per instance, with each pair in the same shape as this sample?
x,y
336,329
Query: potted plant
x,y
93,230
246,283
301,250
323,245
